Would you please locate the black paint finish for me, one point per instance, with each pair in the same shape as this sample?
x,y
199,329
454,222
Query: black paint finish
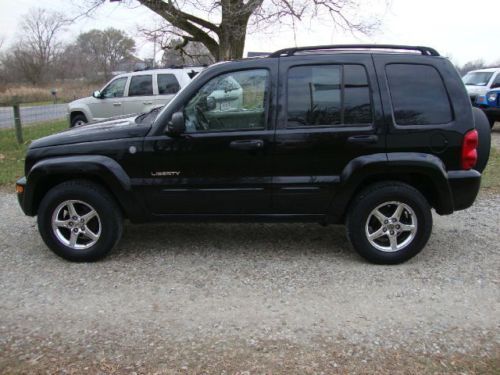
x,y
279,173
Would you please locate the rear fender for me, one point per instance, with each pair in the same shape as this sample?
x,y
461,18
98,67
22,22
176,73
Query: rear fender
x,y
362,171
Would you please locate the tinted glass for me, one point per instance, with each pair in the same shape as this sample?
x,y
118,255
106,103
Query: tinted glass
x,y
115,89
141,85
418,95
314,95
167,84
232,101
357,103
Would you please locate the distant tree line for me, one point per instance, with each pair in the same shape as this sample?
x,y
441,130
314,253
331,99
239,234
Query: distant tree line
x,y
38,55
475,65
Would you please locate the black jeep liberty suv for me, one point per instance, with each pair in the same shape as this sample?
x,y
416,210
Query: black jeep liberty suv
x,y
370,136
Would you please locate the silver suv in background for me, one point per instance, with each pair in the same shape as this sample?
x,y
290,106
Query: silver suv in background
x,y
131,93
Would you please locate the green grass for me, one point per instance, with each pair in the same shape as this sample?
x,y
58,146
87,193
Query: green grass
x,y
12,154
491,175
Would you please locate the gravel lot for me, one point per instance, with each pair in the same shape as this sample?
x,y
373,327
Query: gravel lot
x,y
251,298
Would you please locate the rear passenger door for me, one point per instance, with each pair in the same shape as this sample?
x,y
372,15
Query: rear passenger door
x,y
141,95
330,114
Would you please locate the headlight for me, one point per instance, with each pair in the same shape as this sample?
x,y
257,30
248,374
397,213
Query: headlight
x,y
492,97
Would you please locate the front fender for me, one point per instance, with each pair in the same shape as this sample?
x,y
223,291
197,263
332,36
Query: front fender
x,y
391,166
83,108
48,172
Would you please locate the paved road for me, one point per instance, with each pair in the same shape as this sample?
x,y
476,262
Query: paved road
x,y
30,115
251,298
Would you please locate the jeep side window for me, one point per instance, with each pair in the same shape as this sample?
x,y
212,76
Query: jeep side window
x,y
167,84
357,96
141,85
115,88
232,101
326,95
418,95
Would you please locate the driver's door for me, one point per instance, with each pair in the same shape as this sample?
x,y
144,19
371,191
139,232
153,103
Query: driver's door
x,y
110,103
222,164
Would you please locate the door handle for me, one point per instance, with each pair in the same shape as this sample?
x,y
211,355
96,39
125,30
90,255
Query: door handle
x,y
247,144
147,103
363,139
117,104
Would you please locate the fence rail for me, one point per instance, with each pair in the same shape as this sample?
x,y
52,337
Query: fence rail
x,y
16,114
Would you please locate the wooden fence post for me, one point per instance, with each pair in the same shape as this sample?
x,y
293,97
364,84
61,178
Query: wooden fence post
x,y
17,120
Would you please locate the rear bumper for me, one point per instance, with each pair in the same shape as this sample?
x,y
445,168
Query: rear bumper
x,y
464,187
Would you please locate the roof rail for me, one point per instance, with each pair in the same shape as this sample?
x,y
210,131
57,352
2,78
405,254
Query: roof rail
x,y
426,51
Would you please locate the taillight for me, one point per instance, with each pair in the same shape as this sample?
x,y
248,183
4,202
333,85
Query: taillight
x,y
469,149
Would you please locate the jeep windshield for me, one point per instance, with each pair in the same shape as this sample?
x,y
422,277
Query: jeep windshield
x,y
477,78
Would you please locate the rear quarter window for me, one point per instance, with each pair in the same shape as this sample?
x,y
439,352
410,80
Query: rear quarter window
x,y
418,95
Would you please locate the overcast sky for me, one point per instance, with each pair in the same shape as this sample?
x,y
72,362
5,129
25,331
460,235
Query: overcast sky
x,y
456,28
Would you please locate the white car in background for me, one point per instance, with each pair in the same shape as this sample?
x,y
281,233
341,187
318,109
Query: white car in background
x,y
131,93
479,82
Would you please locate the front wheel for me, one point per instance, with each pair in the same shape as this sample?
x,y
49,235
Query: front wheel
x,y
389,223
78,120
79,221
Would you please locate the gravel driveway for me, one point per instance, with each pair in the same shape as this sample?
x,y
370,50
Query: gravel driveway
x,y
252,298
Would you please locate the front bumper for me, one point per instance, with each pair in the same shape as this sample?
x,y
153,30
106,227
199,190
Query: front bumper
x,y
21,190
464,187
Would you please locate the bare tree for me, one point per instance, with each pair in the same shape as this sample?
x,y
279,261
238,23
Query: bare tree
x,y
103,50
221,25
38,44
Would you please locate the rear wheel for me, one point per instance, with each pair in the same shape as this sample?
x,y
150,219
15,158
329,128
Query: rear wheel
x,y
389,223
79,221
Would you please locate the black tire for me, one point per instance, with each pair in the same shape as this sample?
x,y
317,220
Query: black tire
x,y
78,119
93,195
483,128
372,197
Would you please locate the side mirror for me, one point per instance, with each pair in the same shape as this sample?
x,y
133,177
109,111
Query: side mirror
x,y
97,94
211,105
177,125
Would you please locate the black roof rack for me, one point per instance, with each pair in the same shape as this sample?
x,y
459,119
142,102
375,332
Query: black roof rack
x,y
426,51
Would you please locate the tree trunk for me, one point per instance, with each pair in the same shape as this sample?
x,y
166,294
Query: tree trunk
x,y
231,47
232,35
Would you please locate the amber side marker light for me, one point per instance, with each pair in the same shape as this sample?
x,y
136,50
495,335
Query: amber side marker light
x,y
19,189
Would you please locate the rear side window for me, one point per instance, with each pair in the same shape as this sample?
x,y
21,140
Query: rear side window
x,y
141,85
418,95
167,84
326,95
